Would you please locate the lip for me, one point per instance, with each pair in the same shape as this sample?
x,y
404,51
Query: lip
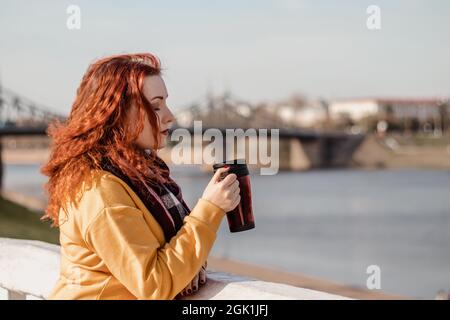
x,y
165,132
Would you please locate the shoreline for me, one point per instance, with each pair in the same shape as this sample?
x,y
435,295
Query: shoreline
x,y
371,155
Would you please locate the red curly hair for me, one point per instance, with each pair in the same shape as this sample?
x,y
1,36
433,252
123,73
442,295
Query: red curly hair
x,y
97,127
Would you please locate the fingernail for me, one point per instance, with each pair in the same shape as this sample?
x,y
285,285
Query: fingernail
x,y
195,288
202,282
189,291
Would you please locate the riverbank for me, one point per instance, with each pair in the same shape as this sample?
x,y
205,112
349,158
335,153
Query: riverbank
x,y
24,156
392,151
19,222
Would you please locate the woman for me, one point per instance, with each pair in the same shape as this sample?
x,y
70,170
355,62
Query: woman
x,y
125,230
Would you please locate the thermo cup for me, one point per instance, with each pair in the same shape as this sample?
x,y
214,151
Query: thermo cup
x,y
241,217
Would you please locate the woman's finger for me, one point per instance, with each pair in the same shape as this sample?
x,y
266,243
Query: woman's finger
x,y
237,200
217,176
189,288
195,284
202,276
229,179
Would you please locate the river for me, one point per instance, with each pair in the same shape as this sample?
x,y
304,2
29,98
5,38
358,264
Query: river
x,y
331,224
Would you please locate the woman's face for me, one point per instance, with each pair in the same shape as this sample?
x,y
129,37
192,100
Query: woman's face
x,y
156,93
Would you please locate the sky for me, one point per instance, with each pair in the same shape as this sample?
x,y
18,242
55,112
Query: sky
x,y
262,50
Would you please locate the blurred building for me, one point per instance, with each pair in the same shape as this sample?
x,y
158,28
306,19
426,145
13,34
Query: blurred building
x,y
311,114
426,115
229,111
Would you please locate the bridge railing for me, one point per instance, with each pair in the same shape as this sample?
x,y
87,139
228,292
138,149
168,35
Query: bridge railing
x,y
29,270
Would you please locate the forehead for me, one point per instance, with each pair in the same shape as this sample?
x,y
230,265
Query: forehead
x,y
154,86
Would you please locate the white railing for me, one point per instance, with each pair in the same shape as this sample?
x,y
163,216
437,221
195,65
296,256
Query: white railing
x,y
29,269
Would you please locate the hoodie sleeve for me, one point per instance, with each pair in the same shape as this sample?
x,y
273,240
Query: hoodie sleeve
x,y
120,236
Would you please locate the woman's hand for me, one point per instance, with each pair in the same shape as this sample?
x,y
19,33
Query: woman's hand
x,y
194,285
223,193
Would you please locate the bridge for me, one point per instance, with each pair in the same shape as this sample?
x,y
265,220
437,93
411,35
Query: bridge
x,y
300,149
20,116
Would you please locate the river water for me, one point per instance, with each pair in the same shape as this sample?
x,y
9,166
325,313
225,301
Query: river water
x,y
331,224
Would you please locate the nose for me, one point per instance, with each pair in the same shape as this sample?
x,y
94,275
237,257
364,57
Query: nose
x,y
168,116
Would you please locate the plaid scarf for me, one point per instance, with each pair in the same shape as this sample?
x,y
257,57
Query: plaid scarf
x,y
165,202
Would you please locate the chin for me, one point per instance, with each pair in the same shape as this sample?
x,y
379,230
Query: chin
x,y
161,146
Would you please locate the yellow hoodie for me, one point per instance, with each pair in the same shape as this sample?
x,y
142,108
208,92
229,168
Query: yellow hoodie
x,y
113,248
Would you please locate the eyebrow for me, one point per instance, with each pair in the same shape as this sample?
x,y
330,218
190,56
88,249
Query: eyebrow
x,y
158,97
